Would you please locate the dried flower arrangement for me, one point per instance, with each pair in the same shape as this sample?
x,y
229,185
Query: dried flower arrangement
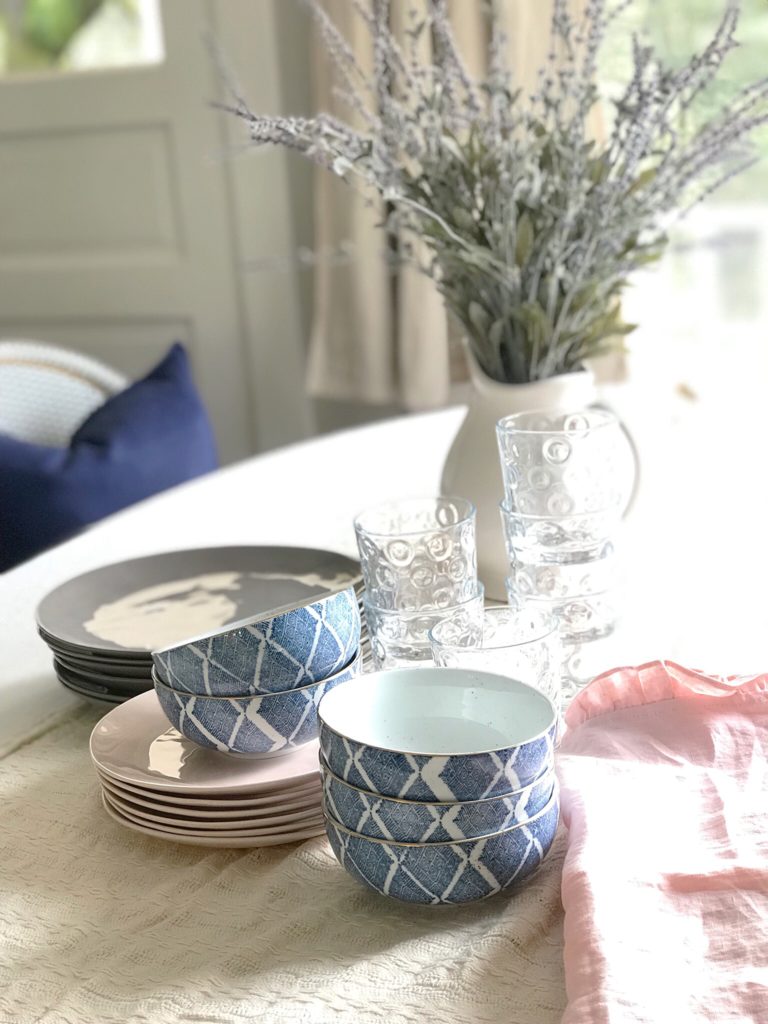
x,y
533,228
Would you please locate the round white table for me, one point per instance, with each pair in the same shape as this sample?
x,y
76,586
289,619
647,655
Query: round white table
x,y
694,552
99,925
304,495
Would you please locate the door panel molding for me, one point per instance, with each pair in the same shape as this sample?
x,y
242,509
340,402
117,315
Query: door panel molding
x,y
142,243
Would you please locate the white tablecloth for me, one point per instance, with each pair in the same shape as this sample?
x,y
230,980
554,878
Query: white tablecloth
x,y
98,924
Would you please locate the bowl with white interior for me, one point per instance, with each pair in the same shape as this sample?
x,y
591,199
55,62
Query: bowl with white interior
x,y
438,734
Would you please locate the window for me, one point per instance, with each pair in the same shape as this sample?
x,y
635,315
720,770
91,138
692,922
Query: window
x,y
703,312
43,36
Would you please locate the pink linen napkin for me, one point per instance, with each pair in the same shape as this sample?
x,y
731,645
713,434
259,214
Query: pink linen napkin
x,y
664,780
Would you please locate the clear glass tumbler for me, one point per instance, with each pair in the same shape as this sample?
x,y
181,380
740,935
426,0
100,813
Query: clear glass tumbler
x,y
520,643
563,464
581,618
568,567
418,553
401,637
557,558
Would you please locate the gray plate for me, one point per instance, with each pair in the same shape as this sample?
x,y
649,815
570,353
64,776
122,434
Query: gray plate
x,y
102,658
99,698
102,684
130,608
99,668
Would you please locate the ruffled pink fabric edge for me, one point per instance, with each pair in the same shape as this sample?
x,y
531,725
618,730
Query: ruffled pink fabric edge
x,y
655,681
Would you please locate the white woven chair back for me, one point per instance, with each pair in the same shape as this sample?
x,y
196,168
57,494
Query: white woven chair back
x,y
46,392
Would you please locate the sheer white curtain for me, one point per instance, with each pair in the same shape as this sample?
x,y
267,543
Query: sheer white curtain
x,y
380,334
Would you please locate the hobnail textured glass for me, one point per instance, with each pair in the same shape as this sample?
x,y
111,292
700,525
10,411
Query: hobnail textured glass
x,y
581,618
559,539
521,643
582,661
562,464
419,553
400,638
563,582
568,566
558,572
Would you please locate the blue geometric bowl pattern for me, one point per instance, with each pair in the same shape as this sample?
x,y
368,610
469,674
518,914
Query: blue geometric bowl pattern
x,y
407,821
447,873
253,726
291,650
437,776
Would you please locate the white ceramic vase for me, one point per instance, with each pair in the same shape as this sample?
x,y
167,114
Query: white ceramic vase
x,y
472,468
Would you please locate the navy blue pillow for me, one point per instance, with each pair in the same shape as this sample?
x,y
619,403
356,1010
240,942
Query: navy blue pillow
x,y
151,436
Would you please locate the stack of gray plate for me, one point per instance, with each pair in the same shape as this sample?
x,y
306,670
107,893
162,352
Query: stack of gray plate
x,y
102,626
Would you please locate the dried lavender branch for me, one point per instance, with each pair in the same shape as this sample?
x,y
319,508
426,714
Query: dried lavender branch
x,y
345,64
455,77
702,69
533,228
227,75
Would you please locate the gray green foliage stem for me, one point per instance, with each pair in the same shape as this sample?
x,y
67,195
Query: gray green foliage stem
x,y
533,226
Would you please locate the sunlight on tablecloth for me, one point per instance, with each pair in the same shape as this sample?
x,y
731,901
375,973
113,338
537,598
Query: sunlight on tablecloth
x,y
99,925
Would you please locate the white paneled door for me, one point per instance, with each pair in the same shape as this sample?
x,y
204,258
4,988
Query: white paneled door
x,y
117,225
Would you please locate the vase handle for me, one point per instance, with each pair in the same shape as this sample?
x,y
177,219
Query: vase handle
x,y
635,455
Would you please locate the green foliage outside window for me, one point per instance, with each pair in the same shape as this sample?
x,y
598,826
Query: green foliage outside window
x,y
48,25
37,35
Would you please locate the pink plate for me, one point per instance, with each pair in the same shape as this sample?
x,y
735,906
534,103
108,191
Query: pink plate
x,y
220,841
136,744
290,804
275,823
202,830
299,794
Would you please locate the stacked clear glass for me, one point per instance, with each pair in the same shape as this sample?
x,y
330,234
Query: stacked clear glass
x,y
419,563
567,478
523,643
401,638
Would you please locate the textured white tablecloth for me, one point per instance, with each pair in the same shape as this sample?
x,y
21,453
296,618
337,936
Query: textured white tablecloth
x,y
103,926
98,924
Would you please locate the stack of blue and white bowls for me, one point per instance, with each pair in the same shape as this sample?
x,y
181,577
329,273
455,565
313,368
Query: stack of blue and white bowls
x,y
438,783
252,689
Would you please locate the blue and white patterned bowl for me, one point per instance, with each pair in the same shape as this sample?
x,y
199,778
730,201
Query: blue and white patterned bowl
x,y
410,821
438,734
447,873
285,652
262,726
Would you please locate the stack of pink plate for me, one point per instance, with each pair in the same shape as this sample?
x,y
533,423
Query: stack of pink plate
x,y
157,782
